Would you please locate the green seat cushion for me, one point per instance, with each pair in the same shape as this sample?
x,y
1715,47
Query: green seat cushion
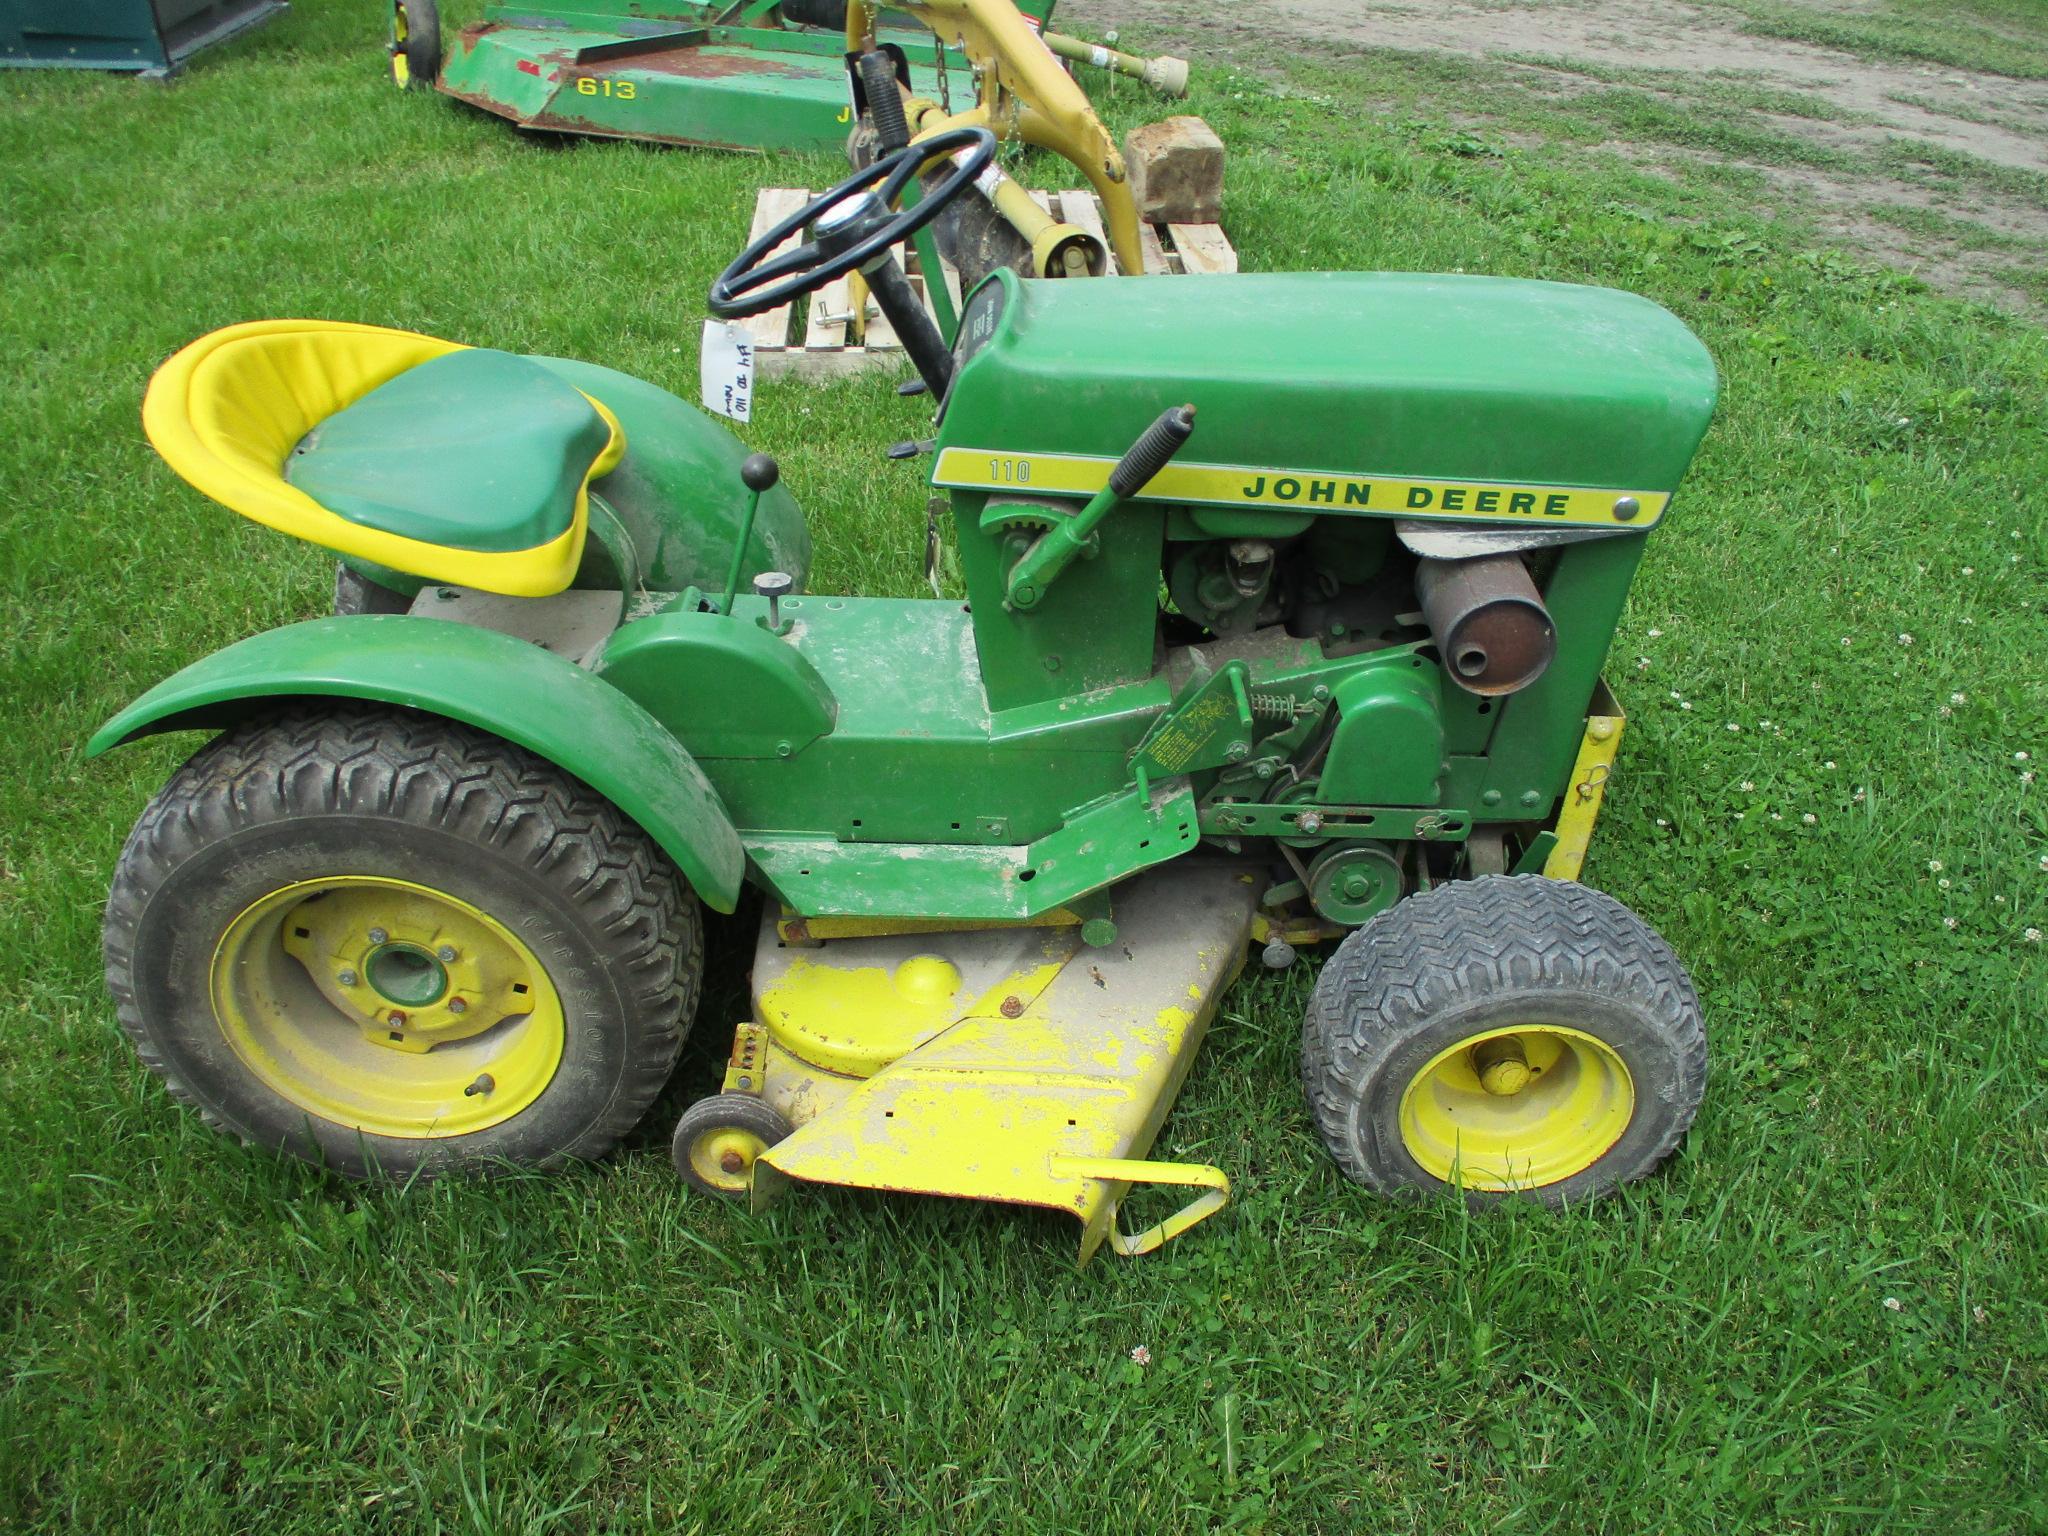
x,y
475,449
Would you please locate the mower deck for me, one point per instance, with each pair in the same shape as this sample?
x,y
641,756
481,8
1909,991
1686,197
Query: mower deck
x,y
1016,1064
716,87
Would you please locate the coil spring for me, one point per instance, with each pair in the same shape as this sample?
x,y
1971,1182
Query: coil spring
x,y
1276,706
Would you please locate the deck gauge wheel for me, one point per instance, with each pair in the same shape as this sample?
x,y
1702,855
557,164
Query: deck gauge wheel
x,y
719,1138
415,46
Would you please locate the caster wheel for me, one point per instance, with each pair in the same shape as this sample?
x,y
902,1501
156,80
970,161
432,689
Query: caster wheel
x,y
718,1139
415,46
1506,1036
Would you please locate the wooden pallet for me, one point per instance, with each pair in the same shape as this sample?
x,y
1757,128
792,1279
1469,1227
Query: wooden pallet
x,y
807,337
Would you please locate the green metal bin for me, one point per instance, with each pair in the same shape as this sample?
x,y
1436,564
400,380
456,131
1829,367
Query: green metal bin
x,y
152,37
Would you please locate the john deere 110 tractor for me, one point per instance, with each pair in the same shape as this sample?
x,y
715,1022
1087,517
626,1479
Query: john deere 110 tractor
x,y
1286,604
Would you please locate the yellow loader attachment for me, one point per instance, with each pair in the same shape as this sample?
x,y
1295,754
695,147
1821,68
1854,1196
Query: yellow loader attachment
x,y
1018,1064
1023,93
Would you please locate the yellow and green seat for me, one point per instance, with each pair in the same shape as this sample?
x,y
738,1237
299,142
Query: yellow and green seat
x,y
452,463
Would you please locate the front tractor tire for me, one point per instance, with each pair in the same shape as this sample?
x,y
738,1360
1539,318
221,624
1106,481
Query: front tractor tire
x,y
1508,1035
387,944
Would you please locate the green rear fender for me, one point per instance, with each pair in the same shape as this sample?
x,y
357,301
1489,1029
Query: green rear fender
x,y
677,493
508,687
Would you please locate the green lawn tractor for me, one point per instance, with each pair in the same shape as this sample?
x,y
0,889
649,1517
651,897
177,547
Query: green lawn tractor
x,y
1286,602
779,74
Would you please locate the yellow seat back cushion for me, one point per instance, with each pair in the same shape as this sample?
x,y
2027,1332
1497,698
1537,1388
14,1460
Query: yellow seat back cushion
x,y
227,410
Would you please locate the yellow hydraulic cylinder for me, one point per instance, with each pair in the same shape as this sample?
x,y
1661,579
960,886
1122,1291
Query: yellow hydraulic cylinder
x,y
1025,94
1057,249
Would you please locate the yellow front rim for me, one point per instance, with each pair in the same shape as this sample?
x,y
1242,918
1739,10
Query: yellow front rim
x,y
723,1157
1517,1108
387,1007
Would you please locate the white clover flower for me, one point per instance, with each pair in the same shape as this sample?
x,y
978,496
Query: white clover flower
x,y
1776,817
1969,570
2019,757
1656,634
1959,698
1733,726
1892,1303
1642,663
1809,818
1905,639
1749,784
1845,642
1662,822
1934,866
1685,703
1949,923
2027,777
1141,1356
2043,866
1740,814
1857,798
1943,883
2032,935
1945,712
1829,765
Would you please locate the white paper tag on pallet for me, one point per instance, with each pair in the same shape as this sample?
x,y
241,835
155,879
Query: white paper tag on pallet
x,y
725,370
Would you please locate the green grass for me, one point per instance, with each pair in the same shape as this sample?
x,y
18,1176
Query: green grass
x,y
2000,37
201,1340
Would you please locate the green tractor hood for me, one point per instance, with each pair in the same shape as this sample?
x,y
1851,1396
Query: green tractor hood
x,y
1398,394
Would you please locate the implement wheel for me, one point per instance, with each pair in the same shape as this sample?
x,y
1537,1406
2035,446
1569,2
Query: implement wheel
x,y
718,1139
1505,1035
415,46
387,943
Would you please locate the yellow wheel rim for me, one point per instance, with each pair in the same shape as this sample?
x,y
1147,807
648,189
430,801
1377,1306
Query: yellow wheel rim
x,y
401,33
1517,1108
723,1157
387,1007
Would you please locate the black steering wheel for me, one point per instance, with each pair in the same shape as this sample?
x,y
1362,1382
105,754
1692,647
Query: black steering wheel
x,y
751,286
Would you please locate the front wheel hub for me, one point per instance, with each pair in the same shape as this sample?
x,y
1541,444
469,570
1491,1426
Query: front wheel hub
x,y
414,969
1517,1108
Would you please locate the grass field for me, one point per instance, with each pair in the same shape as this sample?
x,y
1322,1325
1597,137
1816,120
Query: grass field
x,y
1827,1316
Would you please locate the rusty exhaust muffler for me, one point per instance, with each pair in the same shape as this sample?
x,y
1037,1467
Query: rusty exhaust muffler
x,y
1488,622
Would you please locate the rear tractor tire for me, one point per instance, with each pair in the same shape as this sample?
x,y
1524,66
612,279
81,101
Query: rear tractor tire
x,y
415,46
1509,1035
389,944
